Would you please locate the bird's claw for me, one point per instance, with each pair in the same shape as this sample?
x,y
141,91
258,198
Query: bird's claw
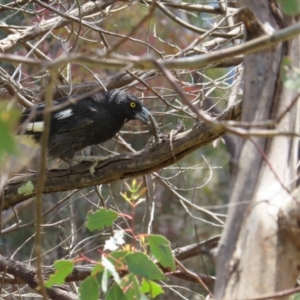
x,y
93,168
95,160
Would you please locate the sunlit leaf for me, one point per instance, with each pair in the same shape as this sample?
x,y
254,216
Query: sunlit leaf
x,y
151,288
290,7
140,193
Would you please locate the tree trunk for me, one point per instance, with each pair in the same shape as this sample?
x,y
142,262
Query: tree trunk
x,y
259,252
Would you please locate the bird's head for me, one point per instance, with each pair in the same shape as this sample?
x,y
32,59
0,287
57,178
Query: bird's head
x,y
132,108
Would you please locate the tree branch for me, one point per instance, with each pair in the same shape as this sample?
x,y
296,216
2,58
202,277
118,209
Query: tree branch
x,y
27,274
116,81
124,165
24,273
146,63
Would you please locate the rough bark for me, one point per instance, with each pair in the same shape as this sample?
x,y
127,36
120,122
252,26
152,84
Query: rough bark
x,y
258,253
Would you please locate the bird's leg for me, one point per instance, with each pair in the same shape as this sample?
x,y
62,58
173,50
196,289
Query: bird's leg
x,y
93,159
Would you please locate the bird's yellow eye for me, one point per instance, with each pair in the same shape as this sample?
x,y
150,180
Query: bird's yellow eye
x,y
132,104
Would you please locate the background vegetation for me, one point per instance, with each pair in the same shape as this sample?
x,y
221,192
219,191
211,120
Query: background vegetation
x,y
65,48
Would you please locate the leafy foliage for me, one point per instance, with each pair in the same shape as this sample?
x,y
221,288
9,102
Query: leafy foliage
x,y
290,7
135,193
140,269
137,264
151,288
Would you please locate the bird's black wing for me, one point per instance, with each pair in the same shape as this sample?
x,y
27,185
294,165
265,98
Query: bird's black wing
x,y
76,128
79,116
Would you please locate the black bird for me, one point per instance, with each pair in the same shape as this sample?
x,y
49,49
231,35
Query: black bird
x,y
90,121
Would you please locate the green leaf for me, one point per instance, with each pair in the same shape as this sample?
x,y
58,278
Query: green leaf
x,y
295,297
8,119
151,288
117,258
89,289
115,293
101,219
290,7
63,268
131,287
98,268
139,264
161,250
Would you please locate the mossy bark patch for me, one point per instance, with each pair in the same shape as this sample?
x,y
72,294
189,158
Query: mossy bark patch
x,y
26,189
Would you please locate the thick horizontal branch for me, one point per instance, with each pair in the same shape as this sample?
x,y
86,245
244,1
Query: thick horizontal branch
x,y
193,250
122,166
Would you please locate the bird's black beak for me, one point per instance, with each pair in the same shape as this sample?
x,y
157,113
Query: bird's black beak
x,y
143,116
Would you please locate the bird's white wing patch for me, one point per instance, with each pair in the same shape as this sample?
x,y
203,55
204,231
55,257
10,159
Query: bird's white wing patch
x,y
35,126
63,114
